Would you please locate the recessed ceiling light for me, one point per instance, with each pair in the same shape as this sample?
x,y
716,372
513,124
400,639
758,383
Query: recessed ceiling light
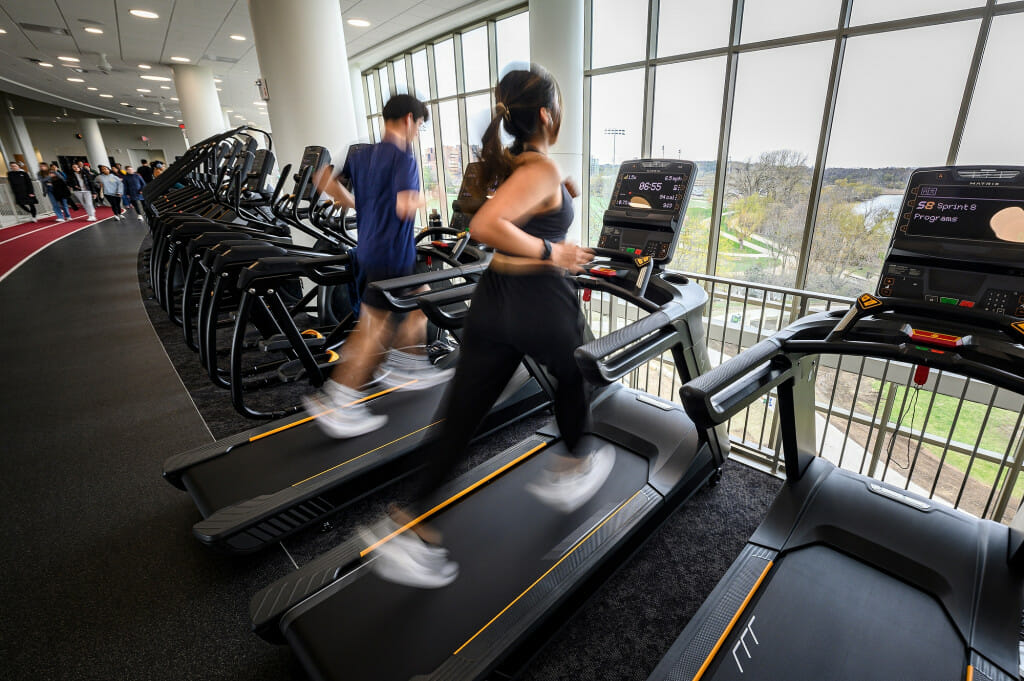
x,y
93,89
239,116
3,31
125,104
174,99
179,120
141,108
74,60
359,23
220,89
46,64
182,60
145,67
143,14
259,103
142,89
235,36
94,30
217,80
165,87
169,117
107,96
159,79
229,111
76,80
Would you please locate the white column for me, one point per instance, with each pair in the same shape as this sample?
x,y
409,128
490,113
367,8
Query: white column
x,y
228,125
200,105
95,149
556,43
310,102
358,104
22,140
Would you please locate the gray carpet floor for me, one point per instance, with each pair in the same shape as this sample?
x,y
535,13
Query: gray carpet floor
x,y
102,579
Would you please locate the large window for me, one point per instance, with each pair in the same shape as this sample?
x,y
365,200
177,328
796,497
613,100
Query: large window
x,y
775,121
890,118
802,146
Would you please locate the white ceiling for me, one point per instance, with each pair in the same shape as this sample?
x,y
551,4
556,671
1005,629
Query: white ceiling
x,y
195,29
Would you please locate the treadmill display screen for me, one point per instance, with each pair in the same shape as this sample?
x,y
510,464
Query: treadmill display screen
x,y
958,211
654,191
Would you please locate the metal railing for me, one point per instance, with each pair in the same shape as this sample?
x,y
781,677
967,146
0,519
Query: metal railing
x,y
11,214
956,440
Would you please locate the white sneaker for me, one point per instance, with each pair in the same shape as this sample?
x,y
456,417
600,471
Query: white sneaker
x,y
91,218
61,220
35,219
410,372
408,560
140,217
338,417
567,491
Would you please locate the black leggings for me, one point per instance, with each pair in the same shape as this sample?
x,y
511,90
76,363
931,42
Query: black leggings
x,y
115,203
29,208
511,316
136,204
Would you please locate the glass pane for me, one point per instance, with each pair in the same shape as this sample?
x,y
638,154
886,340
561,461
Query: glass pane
x,y
451,146
444,67
371,89
478,117
995,128
377,127
780,95
616,119
420,77
870,11
878,138
767,19
401,80
513,36
693,25
474,60
682,130
385,86
432,189
620,32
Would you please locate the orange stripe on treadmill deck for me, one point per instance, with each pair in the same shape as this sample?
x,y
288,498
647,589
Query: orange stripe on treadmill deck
x,y
275,431
970,673
580,543
451,500
732,623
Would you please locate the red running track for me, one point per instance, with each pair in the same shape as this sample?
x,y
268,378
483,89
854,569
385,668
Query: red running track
x,y
21,242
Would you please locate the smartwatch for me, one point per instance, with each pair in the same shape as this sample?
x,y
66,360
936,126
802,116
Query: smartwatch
x,y
547,250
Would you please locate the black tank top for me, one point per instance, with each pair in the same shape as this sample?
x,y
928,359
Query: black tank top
x,y
553,225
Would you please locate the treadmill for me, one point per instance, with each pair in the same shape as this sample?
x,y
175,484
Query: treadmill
x,y
257,487
848,577
524,566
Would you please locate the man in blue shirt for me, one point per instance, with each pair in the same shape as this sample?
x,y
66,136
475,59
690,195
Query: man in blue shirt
x,y
386,195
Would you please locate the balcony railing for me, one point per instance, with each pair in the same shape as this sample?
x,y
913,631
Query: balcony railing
x,y
11,215
956,440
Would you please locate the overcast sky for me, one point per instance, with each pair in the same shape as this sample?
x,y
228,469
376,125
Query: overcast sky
x,y
899,96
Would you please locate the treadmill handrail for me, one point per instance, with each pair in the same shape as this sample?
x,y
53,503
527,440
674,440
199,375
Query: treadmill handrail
x,y
719,394
609,358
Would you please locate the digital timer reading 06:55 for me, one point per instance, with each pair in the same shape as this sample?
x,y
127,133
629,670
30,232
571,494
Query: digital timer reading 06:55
x,y
649,186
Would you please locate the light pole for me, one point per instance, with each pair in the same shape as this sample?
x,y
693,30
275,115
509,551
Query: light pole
x,y
614,132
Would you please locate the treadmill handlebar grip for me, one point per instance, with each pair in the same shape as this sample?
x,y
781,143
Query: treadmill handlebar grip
x,y
409,301
750,373
609,358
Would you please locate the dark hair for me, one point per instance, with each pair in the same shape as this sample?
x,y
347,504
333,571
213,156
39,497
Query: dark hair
x,y
401,106
144,161
519,97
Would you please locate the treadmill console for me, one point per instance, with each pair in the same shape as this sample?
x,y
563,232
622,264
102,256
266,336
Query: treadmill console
x,y
959,240
345,175
469,199
647,207
262,164
315,158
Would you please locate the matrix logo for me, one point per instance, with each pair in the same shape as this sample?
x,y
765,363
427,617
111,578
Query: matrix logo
x,y
745,635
